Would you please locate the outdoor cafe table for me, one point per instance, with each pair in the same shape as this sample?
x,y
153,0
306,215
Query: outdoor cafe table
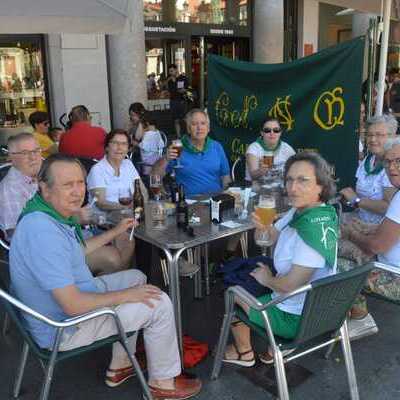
x,y
173,242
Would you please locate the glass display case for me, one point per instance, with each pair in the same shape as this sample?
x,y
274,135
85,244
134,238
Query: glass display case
x,y
22,82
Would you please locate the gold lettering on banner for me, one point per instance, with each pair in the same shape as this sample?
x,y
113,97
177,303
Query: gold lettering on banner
x,y
333,103
237,149
281,111
233,118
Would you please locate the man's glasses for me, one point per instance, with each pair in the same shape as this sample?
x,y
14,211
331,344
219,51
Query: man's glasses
x,y
269,130
27,153
300,180
388,163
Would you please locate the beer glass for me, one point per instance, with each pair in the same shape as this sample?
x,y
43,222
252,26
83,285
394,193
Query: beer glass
x,y
268,160
155,186
178,147
266,211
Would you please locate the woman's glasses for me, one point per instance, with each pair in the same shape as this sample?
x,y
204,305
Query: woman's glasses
x,y
269,130
387,163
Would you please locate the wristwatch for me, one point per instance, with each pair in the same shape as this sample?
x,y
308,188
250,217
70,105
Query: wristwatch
x,y
354,202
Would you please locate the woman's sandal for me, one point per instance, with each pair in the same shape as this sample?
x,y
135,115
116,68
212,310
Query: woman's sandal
x,y
239,360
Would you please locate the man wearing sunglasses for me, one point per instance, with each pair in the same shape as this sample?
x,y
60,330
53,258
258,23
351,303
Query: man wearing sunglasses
x,y
267,151
40,124
385,242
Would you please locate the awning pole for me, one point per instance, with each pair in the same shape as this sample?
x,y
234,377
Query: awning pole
x,y
383,57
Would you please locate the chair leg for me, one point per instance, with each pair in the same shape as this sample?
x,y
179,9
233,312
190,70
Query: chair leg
x,y
21,369
6,324
139,373
348,358
223,339
281,376
329,351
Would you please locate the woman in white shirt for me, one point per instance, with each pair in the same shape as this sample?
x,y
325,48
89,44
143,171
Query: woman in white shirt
x,y
373,189
300,256
114,175
268,144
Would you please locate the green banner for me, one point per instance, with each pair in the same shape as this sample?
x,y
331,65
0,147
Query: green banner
x,y
316,98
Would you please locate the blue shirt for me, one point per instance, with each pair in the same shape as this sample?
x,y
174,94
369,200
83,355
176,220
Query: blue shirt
x,y
45,255
202,172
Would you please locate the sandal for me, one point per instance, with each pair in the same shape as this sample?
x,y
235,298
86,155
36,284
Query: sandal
x,y
267,358
239,360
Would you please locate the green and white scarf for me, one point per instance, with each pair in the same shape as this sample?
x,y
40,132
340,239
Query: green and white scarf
x,y
188,146
367,166
37,203
265,147
319,228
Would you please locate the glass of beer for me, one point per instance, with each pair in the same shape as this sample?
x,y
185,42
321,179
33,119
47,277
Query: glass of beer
x,y
155,186
268,160
178,147
266,211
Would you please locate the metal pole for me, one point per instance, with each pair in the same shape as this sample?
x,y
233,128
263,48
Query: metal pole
x,y
202,80
383,57
371,63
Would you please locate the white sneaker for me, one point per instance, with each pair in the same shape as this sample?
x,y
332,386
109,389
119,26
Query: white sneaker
x,y
359,328
186,268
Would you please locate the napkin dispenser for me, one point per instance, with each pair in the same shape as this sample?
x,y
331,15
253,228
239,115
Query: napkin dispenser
x,y
222,206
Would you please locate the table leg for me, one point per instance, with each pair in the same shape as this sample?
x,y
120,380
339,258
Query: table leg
x,y
174,293
206,269
198,276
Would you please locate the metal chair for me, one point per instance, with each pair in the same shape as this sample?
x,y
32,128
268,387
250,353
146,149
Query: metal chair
x,y
238,169
324,316
49,358
4,168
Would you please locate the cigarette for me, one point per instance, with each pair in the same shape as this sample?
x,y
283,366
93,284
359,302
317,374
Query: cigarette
x,y
131,235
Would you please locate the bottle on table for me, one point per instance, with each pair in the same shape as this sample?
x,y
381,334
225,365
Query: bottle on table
x,y
173,187
138,202
182,210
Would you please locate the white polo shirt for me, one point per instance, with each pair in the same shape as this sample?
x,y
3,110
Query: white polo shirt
x,y
280,156
371,187
291,249
102,175
392,256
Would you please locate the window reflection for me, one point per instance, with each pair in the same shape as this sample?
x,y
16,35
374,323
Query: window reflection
x,y
197,11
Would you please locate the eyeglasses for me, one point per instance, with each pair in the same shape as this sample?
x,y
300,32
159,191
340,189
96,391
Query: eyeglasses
x,y
377,135
27,153
387,163
300,180
269,130
117,143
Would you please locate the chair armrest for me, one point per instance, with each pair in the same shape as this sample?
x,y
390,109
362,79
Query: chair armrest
x,y
252,302
88,316
386,267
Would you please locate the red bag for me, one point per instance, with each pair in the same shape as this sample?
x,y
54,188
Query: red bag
x,y
193,351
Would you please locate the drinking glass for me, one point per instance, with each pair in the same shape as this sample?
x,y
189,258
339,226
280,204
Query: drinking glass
x,y
178,147
268,160
266,211
124,196
155,186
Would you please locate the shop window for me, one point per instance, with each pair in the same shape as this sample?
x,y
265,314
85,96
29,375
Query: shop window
x,y
22,83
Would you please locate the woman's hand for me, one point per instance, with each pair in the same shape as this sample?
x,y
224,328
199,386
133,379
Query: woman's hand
x,y
348,193
262,274
172,154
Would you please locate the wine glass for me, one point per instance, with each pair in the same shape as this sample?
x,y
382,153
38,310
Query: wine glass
x,y
155,186
178,147
266,211
124,196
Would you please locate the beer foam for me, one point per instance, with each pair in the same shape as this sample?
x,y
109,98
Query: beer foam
x,y
267,203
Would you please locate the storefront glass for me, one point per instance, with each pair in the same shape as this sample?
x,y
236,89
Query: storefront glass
x,y
217,12
22,82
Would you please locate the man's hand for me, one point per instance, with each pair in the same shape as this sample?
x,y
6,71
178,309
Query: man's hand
x,y
143,294
348,193
262,274
124,225
172,154
84,215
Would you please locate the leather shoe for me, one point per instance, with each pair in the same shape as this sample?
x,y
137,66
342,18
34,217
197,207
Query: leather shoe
x,y
184,389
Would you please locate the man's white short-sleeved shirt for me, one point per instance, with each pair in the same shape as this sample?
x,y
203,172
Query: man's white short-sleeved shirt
x,y
280,156
372,187
392,256
291,250
102,175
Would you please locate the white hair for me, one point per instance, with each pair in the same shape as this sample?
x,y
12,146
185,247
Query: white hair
x,y
388,119
390,143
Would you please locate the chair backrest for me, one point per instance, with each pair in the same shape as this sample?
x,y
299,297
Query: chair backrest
x,y
11,306
3,241
328,302
4,168
238,169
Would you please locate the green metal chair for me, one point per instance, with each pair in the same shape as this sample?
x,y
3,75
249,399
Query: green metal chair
x,y
49,358
323,321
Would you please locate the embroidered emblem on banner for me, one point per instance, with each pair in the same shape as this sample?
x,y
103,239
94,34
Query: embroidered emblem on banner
x,y
329,109
281,111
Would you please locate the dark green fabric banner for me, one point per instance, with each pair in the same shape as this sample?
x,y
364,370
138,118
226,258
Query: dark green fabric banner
x,y
316,98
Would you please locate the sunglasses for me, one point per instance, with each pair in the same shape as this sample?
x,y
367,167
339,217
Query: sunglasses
x,y
269,130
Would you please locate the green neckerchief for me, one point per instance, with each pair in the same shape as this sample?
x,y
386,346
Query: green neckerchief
x,y
319,227
367,166
36,203
188,146
261,142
